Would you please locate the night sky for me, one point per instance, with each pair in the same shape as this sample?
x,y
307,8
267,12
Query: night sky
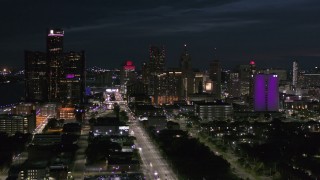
x,y
273,32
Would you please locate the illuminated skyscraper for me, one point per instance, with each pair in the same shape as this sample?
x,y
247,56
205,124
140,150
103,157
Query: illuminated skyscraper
x,y
55,76
157,59
170,87
127,74
72,81
266,92
188,77
55,61
252,73
154,68
36,85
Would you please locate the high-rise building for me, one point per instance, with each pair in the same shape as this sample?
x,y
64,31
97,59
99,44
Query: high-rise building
x,y
157,59
252,73
244,77
295,74
282,73
55,76
234,85
72,80
188,77
215,76
127,74
169,87
153,69
145,72
36,84
185,61
200,79
55,61
266,92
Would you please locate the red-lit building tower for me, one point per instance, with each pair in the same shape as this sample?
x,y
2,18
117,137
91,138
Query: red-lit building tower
x,y
128,74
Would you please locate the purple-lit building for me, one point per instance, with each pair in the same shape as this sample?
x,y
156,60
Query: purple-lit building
x,y
266,93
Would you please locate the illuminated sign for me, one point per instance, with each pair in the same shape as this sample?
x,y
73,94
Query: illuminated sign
x,y
123,127
57,33
111,90
209,86
70,76
129,66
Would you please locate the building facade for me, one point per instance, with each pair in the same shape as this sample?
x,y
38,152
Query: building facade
x,y
36,79
266,92
12,124
214,111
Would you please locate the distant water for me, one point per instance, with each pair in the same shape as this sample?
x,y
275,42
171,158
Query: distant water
x,y
11,93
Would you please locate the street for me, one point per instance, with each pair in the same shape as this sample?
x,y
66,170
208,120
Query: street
x,y
154,165
80,157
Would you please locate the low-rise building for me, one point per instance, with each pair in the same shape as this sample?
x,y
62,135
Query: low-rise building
x,y
110,126
23,109
11,124
214,111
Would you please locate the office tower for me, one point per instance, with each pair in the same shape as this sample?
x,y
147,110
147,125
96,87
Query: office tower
x,y
266,92
252,73
72,81
244,77
215,76
185,61
145,72
108,78
310,81
282,73
55,76
36,85
157,59
127,75
234,85
170,87
54,60
154,68
188,76
201,78
294,75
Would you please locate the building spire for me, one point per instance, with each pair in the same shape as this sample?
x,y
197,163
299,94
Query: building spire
x,y
185,49
215,56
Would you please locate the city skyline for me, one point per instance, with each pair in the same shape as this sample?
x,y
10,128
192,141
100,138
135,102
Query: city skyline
x,y
271,33
142,90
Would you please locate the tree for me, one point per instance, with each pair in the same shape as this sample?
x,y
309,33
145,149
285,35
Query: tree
x,y
123,116
92,121
52,123
61,122
116,109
